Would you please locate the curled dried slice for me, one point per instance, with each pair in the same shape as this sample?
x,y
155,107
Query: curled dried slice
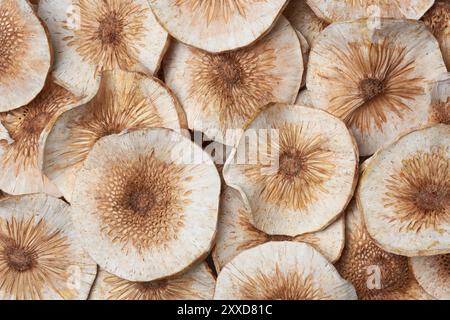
x,y
236,233
440,100
217,25
221,93
377,81
23,134
281,271
40,256
433,274
92,36
437,19
346,10
151,206
25,55
197,284
411,179
297,167
375,273
125,101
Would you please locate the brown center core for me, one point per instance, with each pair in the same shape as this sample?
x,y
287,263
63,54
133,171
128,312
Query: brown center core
x,y
432,197
141,202
152,285
290,164
110,29
20,259
36,124
280,238
371,88
229,69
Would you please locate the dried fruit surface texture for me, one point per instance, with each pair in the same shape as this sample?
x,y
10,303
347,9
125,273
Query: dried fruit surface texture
x,y
377,81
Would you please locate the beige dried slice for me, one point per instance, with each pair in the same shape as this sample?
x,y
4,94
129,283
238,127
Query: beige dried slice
x,y
375,273
433,274
40,255
25,55
281,271
440,100
377,80
304,20
217,25
437,19
297,167
305,54
304,99
236,233
411,180
125,101
151,207
346,10
197,284
23,139
221,93
92,36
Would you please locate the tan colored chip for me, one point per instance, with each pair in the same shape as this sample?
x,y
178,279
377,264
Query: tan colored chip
x,y
410,183
40,255
437,19
377,80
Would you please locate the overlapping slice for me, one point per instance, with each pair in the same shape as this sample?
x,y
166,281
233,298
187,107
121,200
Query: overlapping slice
x,y
440,100
197,284
125,101
149,201
25,55
433,274
281,271
217,25
221,93
40,256
297,167
237,233
377,80
23,134
375,273
346,10
91,36
411,181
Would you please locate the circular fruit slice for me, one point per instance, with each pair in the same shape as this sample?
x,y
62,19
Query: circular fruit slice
x,y
433,274
92,36
411,181
40,255
281,271
149,201
236,233
23,134
25,56
297,167
346,10
377,80
125,101
221,93
375,273
197,284
217,25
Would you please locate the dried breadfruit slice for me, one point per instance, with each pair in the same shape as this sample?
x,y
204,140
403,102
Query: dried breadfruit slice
x,y
151,207
377,80
375,273
437,19
125,101
236,233
304,20
197,284
217,25
297,167
221,93
433,275
411,180
305,54
346,10
25,55
92,36
440,100
40,256
23,134
281,271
